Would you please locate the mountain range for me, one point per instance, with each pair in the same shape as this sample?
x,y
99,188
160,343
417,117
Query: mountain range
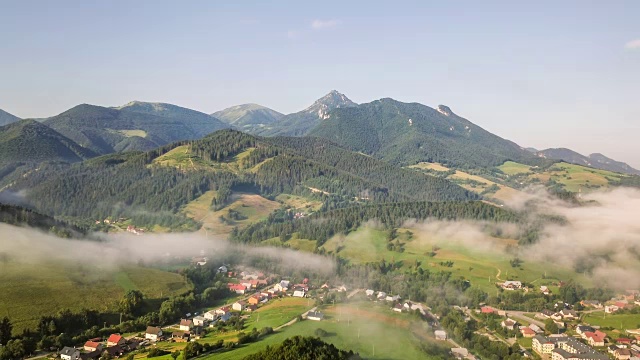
x,y
401,133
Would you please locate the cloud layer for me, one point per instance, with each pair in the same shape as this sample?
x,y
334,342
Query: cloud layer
x,y
633,44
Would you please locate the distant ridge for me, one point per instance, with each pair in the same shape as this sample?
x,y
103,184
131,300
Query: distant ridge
x,y
6,118
246,117
597,161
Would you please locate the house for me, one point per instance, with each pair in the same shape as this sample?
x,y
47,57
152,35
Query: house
x,y
369,292
591,303
487,310
569,314
527,332
180,336
440,335
254,300
512,285
612,349
238,305
69,353
398,308
92,346
237,288
622,354
299,293
247,285
222,269
623,341
225,317
115,340
545,314
153,333
460,353
199,321
186,324
535,328
315,315
418,307
210,315
611,308
545,290
393,298
223,310
508,324
282,285
251,308
581,329
595,338
381,295
556,316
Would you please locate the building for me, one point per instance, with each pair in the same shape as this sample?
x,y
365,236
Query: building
x,y
512,285
199,321
115,340
460,353
254,300
565,348
210,315
153,333
508,324
186,324
398,308
315,315
527,332
69,353
238,305
91,346
440,335
595,338
299,293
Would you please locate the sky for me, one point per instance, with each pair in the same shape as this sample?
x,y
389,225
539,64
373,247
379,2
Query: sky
x,y
543,74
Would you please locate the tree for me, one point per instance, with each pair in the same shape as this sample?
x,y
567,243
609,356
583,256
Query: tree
x,y
131,302
175,354
5,330
551,326
105,356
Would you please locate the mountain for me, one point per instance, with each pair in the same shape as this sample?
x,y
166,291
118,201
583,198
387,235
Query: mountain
x,y
300,123
597,161
163,180
408,133
202,123
6,118
248,117
28,141
135,126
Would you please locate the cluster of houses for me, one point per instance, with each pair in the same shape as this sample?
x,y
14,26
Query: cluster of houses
x,y
511,285
134,230
559,317
562,347
407,306
116,345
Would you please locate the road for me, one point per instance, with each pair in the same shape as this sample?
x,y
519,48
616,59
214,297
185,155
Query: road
x,y
304,314
521,315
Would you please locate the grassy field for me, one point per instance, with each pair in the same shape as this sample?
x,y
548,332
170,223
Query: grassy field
x,y
483,266
29,291
299,202
373,331
616,321
514,168
430,166
251,206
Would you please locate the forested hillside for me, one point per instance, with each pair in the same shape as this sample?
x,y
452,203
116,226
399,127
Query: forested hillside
x,y
19,216
134,127
408,133
303,348
28,141
153,186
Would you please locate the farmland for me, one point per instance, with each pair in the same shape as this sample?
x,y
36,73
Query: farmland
x,y
616,321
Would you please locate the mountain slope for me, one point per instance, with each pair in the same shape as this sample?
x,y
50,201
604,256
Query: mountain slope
x,y
246,117
29,141
138,126
201,123
597,161
163,180
408,133
6,118
300,123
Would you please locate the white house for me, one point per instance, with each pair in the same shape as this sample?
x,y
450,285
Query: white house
x,y
369,292
186,324
392,298
381,295
199,321
299,293
398,308
210,315
460,353
239,305
512,285
222,311
69,353
440,335
153,333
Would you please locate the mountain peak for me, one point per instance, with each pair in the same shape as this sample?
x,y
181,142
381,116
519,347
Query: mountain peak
x,y
332,100
444,110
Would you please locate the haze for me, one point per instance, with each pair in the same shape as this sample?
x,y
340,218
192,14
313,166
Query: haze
x,y
545,75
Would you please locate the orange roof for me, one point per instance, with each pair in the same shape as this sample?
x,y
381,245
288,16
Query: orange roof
x,y
91,344
528,330
114,338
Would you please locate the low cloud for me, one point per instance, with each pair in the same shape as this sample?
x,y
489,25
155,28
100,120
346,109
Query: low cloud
x,y
633,44
323,24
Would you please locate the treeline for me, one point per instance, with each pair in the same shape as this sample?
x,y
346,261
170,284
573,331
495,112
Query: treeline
x,y
303,348
19,216
322,226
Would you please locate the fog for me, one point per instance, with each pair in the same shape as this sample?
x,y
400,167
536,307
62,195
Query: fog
x,y
114,250
600,239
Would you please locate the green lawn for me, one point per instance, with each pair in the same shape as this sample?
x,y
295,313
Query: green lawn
x,y
278,312
514,168
376,329
31,290
616,321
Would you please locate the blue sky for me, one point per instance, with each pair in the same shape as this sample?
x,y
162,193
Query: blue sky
x,y
544,74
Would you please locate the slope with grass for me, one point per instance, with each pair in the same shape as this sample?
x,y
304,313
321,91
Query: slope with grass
x,y
248,117
53,286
